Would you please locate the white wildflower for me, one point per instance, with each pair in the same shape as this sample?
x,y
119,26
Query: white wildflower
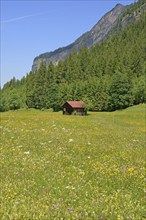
x,y
70,140
134,140
20,146
26,152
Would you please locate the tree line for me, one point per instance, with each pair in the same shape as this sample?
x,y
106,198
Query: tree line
x,y
107,77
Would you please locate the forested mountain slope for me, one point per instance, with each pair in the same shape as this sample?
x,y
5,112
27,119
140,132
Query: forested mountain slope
x,y
97,34
119,17
108,76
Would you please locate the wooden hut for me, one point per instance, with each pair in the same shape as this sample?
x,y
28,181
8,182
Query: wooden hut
x,y
74,107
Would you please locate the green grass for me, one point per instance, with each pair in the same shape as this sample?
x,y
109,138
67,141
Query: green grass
x,y
72,167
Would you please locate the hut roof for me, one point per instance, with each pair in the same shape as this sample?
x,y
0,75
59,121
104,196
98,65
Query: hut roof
x,y
76,104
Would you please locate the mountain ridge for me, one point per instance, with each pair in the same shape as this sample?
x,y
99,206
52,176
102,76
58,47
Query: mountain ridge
x,y
113,21
108,76
96,35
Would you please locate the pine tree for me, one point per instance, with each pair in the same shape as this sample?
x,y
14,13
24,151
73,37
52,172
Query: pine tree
x,y
120,92
40,87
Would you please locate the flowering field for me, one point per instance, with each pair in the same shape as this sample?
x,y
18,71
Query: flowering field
x,y
73,167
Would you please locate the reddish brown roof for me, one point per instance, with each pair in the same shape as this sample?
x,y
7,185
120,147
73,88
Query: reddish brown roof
x,y
76,104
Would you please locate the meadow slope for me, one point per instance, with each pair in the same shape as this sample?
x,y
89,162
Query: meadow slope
x,y
71,167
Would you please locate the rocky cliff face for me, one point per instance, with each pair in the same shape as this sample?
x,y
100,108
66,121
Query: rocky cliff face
x,y
114,19
101,30
98,33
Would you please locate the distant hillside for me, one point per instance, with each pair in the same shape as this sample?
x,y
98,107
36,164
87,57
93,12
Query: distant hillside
x,y
97,34
114,20
107,77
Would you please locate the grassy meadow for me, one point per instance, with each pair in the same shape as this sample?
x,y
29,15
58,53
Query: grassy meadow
x,y
73,167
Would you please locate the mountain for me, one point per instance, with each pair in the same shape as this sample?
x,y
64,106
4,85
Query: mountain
x,y
96,35
116,19
108,76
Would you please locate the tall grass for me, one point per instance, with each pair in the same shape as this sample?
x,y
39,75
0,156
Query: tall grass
x,y
72,167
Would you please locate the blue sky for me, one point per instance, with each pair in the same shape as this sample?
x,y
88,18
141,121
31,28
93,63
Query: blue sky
x,y
29,28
